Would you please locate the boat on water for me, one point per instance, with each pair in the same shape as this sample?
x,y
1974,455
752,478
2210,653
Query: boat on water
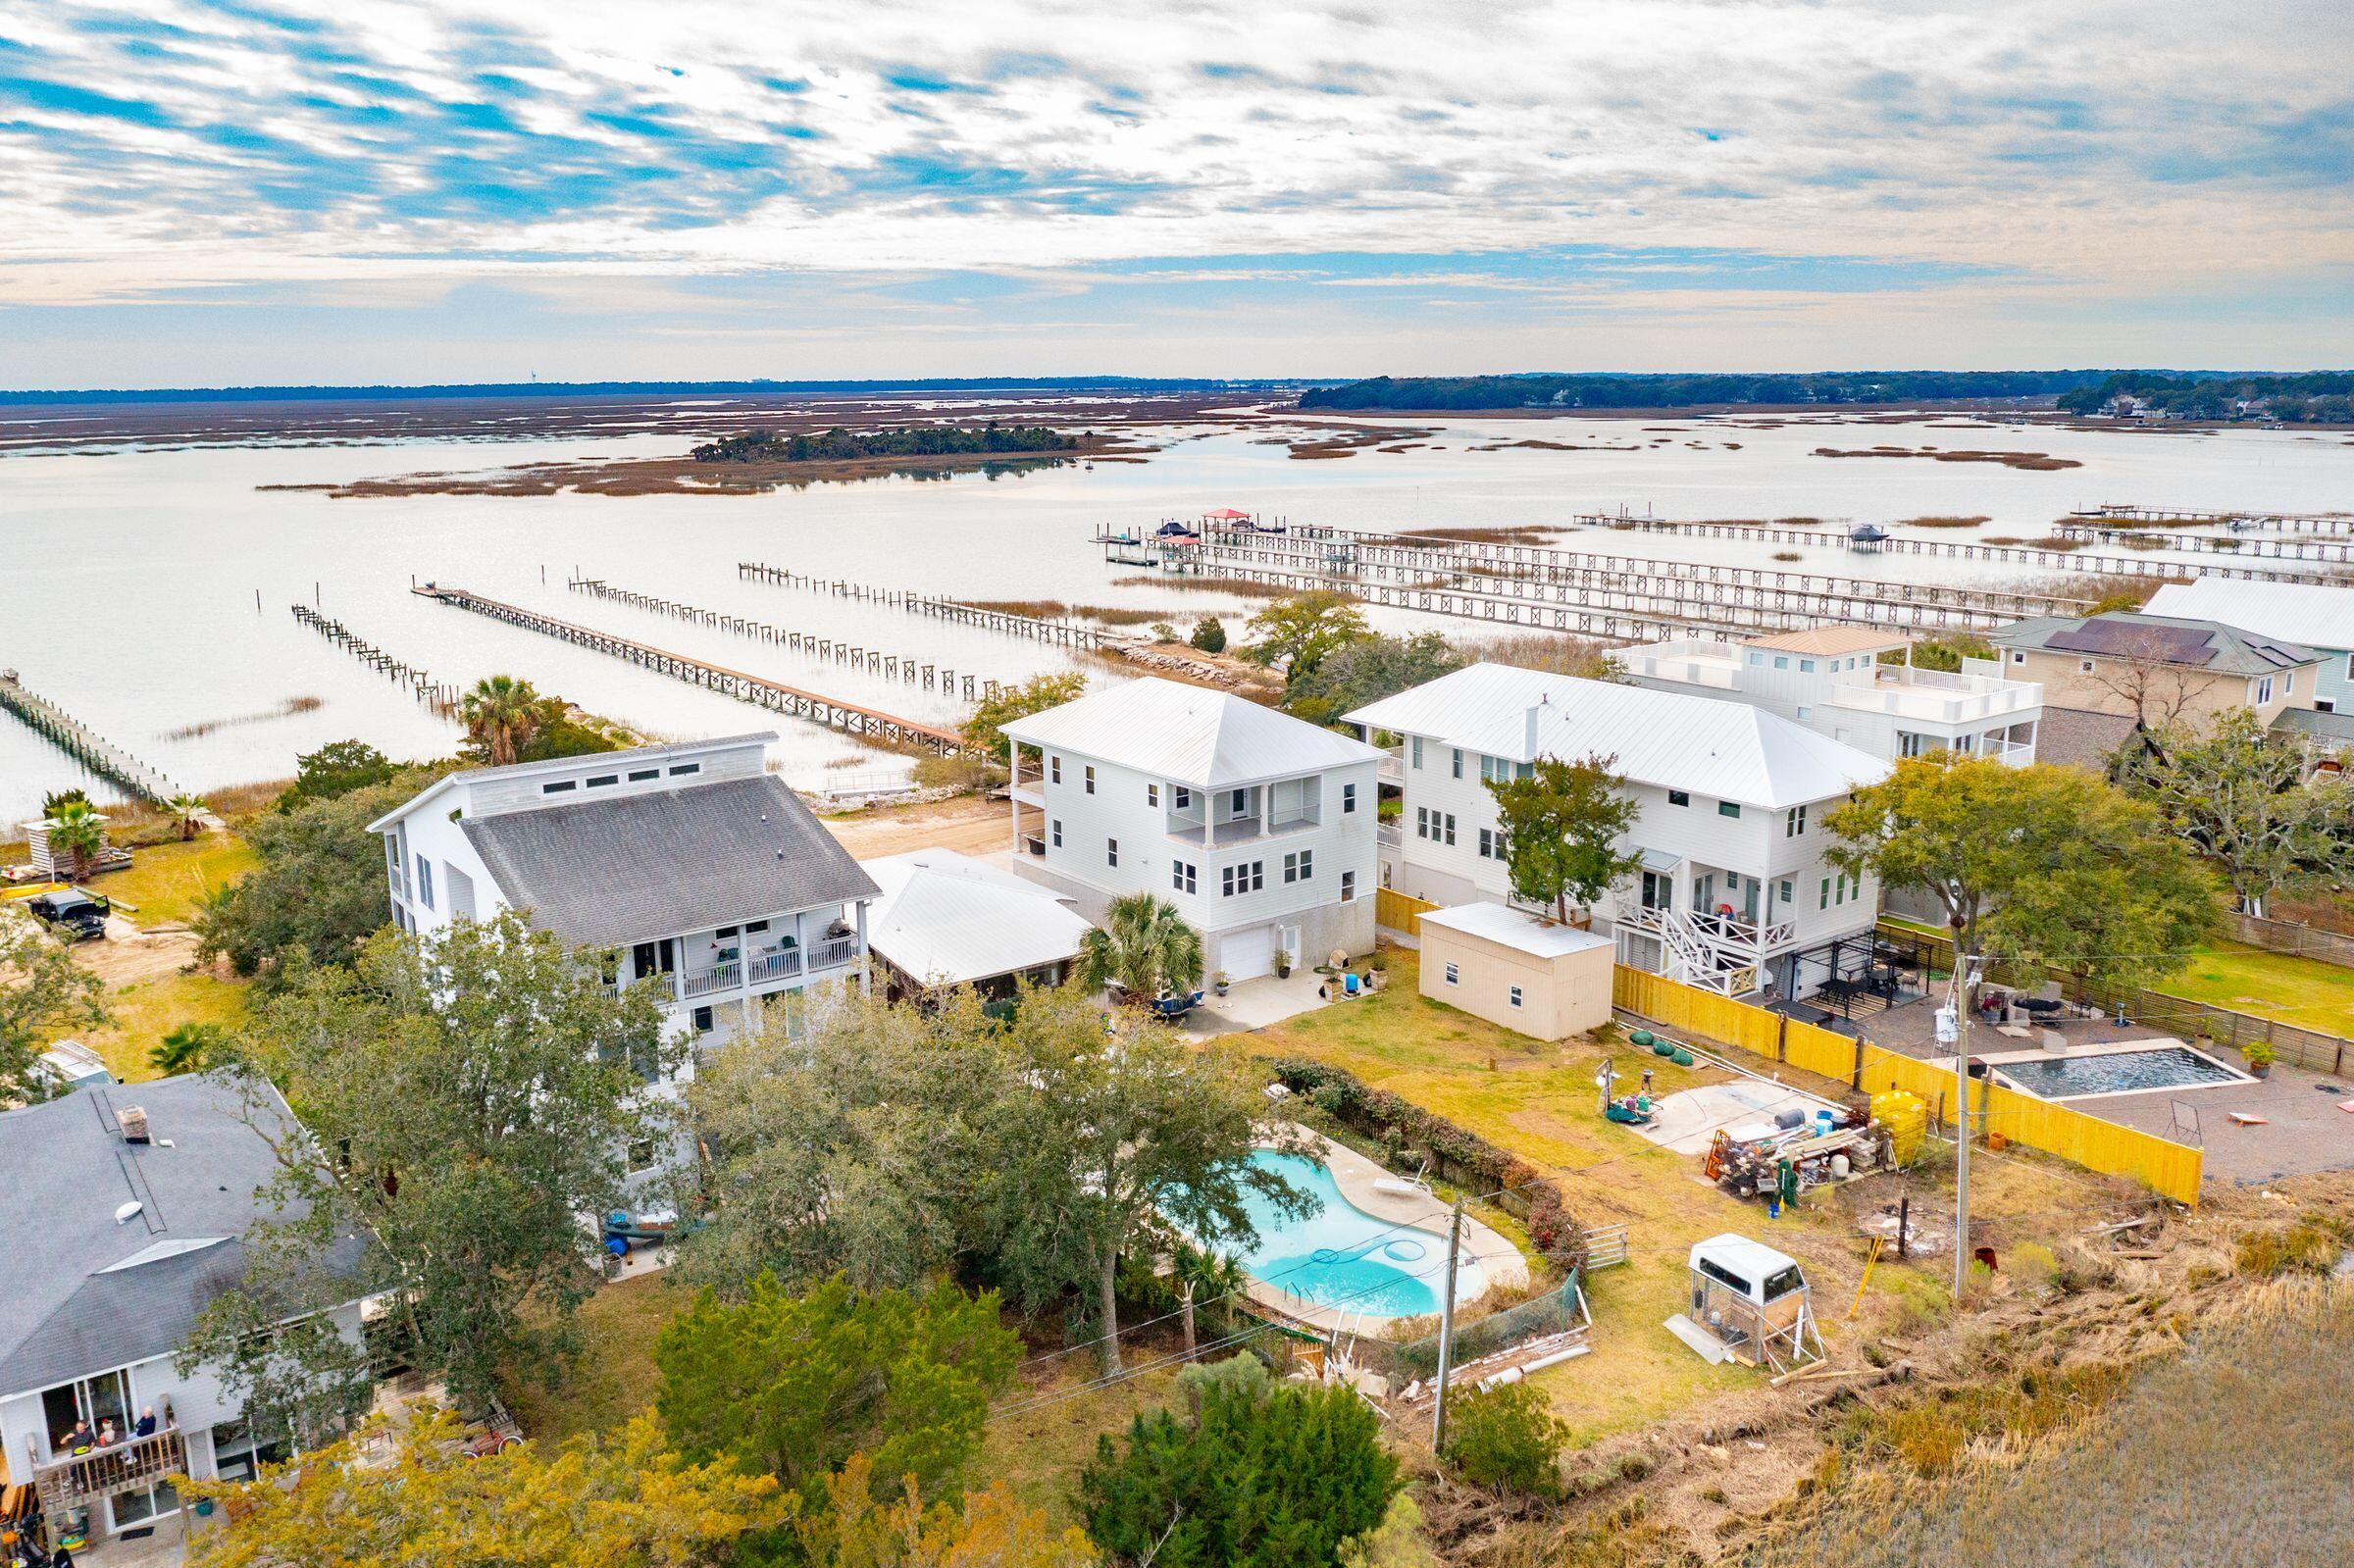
x,y
1867,534
1176,533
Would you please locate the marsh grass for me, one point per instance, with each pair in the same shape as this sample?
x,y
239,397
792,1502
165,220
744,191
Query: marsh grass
x,y
1238,588
1943,522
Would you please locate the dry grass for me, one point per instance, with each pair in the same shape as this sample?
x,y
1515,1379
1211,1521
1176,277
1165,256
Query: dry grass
x,y
1943,522
1057,610
2217,1455
1238,588
1520,534
1552,651
165,881
2055,542
140,1014
1788,555
614,1377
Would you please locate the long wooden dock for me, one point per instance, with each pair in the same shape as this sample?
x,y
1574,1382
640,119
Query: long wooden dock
x,y
1063,634
1591,594
85,746
2027,555
437,696
852,717
2331,524
2239,546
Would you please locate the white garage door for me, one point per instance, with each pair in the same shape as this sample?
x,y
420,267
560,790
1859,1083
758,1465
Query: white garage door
x,y
1248,954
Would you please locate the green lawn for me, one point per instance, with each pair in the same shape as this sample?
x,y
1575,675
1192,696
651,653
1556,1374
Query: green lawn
x,y
2304,991
613,1378
143,1014
164,881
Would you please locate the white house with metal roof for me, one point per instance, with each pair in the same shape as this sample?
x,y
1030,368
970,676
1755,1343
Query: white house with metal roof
x,y
1258,826
946,919
1831,679
700,870
1733,892
126,1215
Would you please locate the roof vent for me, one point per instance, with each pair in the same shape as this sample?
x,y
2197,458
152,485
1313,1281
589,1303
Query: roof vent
x,y
133,1120
128,1212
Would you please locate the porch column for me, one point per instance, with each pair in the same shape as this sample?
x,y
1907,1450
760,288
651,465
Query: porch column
x,y
862,954
1013,784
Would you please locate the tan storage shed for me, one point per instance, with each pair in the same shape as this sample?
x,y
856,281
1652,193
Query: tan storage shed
x,y
1531,976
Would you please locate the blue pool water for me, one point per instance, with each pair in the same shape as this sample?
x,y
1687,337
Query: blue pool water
x,y
1340,1256
2117,1072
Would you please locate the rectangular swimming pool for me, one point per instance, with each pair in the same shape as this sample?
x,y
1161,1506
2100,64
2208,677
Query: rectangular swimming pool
x,y
2060,1077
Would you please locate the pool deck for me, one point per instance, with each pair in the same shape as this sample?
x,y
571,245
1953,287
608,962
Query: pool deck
x,y
1499,1261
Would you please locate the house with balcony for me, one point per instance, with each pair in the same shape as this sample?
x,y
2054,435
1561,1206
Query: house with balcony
x,y
689,865
1832,679
126,1216
1258,826
1733,891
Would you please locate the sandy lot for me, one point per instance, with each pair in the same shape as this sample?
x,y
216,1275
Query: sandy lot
x,y
975,826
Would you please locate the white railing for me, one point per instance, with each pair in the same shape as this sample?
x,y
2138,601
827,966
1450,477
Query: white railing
x,y
782,965
718,978
1936,695
834,952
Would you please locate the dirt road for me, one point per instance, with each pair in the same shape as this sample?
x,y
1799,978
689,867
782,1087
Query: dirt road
x,y
968,822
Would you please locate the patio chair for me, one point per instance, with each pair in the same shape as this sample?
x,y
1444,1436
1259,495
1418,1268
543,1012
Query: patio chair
x,y
2183,1128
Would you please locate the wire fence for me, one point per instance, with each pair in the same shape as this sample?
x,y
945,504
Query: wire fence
x,y
2294,937
1558,1311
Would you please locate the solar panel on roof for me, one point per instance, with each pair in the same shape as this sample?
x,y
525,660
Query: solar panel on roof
x,y
2128,639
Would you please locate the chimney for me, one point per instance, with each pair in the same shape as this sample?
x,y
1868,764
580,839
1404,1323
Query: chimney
x,y
1528,729
133,1121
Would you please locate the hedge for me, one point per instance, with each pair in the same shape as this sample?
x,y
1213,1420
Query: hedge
x,y
1458,1156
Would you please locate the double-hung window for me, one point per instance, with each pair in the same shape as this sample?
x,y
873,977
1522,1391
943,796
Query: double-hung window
x,y
1152,794
1347,798
1348,887
1091,777
1415,747
1182,877
1054,770
1421,822
1112,851
1515,995
1454,976
425,882
1451,830
1299,867
1458,764
1794,822
1054,831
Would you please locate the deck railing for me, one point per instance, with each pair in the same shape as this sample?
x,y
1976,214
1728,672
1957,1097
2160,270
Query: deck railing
x,y
77,1480
829,954
780,965
718,978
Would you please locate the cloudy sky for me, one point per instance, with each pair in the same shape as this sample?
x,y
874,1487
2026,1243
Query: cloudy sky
x,y
229,191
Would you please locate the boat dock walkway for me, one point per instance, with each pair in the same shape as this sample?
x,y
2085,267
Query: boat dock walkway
x,y
1063,634
437,696
2240,546
891,666
2337,524
870,724
2039,556
91,750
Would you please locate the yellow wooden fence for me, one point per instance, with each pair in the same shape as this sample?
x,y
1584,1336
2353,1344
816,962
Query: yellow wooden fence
x,y
2164,1167
1399,912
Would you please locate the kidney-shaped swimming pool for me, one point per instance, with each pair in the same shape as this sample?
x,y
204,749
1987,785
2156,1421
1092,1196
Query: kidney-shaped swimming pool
x,y
1341,1257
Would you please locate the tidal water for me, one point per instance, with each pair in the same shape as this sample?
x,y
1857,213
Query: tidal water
x,y
148,591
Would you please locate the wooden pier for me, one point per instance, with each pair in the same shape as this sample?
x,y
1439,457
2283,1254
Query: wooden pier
x,y
890,666
437,696
86,746
2240,546
869,724
1063,634
1597,592
1952,549
2334,524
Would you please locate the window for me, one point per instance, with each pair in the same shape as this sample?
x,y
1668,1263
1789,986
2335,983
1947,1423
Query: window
x,y
2019,658
641,775
1347,798
1112,851
2264,690
1758,659
1728,808
1091,779
1515,995
681,769
1454,976
753,927
1678,797
1794,822
1451,830
1300,867
558,787
1054,831
1241,801
1417,750
1185,798
1497,770
1781,661
641,1153
1788,895
1152,794
1348,887
2083,667
1825,901
1491,844
599,780
1182,877
1291,868
1421,822
1839,889
1256,872
1458,760
702,1021
425,882
1805,713
1054,770
2289,683
1806,667
1243,879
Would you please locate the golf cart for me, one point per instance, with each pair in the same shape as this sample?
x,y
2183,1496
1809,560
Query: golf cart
x,y
72,913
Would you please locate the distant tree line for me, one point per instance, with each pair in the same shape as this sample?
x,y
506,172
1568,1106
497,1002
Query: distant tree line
x,y
923,440
2315,397
1690,391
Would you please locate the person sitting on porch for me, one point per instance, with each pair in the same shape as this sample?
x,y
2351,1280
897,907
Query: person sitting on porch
x,y
106,1433
77,1441
146,1425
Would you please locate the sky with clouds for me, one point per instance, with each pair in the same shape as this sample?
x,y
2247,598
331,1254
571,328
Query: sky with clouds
x,y
229,191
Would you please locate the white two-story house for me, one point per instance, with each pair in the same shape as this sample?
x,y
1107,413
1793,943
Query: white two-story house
x,y
1258,826
125,1214
1830,679
1732,892
693,864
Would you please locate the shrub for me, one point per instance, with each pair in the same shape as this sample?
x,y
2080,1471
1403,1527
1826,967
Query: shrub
x,y
1508,1438
1210,636
2312,1245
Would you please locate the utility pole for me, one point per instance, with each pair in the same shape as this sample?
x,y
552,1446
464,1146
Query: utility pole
x,y
1957,1020
1455,1242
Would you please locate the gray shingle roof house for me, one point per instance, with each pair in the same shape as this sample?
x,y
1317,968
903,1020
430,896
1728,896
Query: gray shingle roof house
x,y
119,1228
706,872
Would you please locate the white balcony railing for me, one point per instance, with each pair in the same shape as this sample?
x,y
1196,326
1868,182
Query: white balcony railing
x,y
718,978
833,953
781,965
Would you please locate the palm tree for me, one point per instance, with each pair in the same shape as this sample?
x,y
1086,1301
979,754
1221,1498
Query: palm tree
x,y
501,714
187,1049
75,833
184,808
1144,946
